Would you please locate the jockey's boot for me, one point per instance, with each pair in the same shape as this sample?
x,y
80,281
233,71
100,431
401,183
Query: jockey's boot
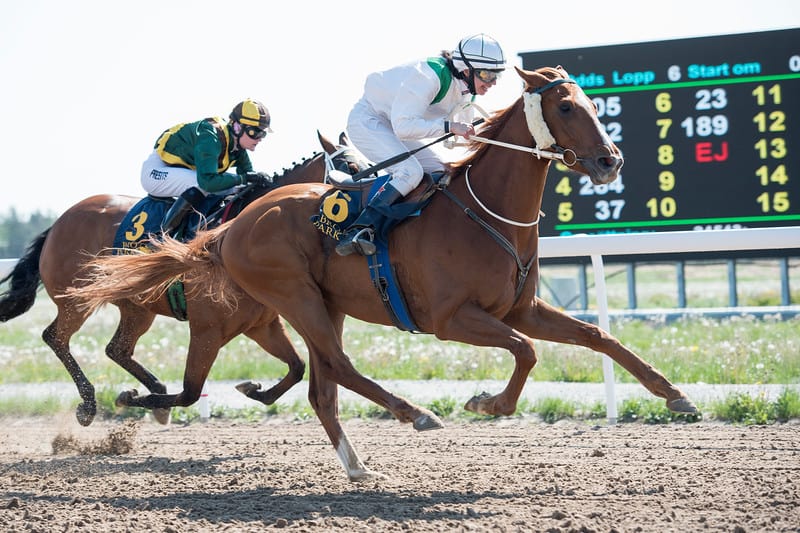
x,y
359,236
185,203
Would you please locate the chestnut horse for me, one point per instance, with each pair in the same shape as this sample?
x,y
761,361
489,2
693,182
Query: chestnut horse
x,y
55,260
467,265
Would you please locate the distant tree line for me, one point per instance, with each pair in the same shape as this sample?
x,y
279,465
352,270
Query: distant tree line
x,y
16,233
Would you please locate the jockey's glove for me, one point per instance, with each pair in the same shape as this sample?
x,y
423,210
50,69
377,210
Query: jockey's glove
x,y
260,179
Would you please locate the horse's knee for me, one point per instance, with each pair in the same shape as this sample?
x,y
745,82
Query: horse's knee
x,y
595,337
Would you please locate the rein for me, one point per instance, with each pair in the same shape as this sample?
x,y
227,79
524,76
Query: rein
x,y
560,154
495,215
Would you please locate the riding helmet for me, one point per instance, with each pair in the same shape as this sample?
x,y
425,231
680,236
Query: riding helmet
x,y
479,52
251,113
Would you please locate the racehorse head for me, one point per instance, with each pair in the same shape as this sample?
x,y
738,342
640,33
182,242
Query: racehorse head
x,y
557,112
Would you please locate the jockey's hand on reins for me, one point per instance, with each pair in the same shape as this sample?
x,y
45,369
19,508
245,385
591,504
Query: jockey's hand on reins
x,y
260,179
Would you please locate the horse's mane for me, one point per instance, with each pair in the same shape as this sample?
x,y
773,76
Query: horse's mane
x,y
495,123
303,163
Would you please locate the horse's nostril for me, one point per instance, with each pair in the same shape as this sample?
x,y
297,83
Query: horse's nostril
x,y
609,161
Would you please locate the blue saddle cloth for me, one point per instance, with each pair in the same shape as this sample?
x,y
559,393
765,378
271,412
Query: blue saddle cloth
x,y
143,222
339,209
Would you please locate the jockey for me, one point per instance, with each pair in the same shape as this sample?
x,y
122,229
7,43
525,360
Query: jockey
x,y
402,106
190,160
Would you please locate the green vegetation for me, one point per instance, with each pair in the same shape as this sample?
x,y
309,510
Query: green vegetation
x,y
741,350
738,408
738,350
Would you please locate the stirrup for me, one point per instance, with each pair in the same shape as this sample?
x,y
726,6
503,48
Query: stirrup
x,y
361,242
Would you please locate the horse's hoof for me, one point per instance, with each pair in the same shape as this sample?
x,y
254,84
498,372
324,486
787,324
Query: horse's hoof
x,y
162,415
125,397
427,421
361,476
248,387
683,405
85,414
475,403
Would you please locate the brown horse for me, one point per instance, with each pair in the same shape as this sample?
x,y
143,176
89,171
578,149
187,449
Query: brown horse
x,y
468,265
55,259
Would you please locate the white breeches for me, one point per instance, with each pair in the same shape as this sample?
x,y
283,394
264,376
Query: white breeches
x,y
373,136
160,179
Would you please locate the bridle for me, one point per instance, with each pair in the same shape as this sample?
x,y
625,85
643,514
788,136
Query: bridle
x,y
341,160
541,136
538,128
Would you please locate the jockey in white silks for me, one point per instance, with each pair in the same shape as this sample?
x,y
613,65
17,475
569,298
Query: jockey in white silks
x,y
404,105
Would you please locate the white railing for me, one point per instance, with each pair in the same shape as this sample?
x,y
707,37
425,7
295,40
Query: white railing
x,y
596,246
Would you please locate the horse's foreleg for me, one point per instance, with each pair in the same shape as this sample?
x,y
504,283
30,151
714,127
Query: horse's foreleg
x,y
57,336
272,338
548,323
472,325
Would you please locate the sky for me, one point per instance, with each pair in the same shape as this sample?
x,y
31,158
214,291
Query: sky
x,y
88,85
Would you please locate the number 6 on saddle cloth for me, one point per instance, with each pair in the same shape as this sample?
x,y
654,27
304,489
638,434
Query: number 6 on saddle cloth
x,y
340,208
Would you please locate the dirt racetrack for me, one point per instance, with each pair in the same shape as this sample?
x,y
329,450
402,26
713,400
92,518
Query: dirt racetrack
x,y
504,475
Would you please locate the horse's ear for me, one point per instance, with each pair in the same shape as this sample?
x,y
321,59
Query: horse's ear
x,y
326,144
527,77
563,70
343,140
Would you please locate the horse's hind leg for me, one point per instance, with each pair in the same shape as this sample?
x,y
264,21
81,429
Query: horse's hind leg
x,y
272,338
57,336
134,322
548,323
329,366
324,398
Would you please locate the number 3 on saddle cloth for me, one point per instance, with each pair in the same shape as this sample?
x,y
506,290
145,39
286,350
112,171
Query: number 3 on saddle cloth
x,y
143,223
340,208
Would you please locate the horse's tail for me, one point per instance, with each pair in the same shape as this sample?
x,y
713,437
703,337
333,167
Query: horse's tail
x,y
23,281
145,276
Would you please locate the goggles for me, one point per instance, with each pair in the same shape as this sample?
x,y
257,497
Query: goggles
x,y
487,76
255,133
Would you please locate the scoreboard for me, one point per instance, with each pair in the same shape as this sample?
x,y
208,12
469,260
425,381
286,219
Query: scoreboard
x,y
709,128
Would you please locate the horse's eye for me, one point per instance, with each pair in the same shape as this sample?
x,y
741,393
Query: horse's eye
x,y
565,107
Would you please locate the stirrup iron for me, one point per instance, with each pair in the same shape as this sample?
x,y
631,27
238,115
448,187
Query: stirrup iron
x,y
364,241
361,243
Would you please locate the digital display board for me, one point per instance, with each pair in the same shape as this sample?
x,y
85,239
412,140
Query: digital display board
x,y
709,128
